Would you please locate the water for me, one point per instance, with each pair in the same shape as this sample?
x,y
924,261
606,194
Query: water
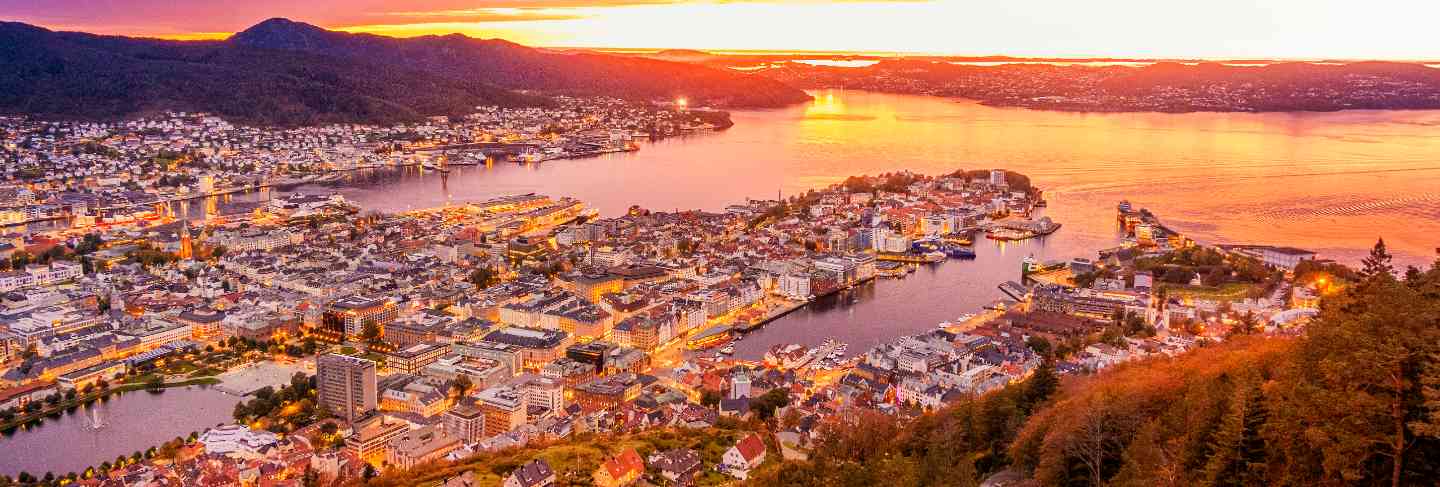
x,y
1330,182
885,309
135,420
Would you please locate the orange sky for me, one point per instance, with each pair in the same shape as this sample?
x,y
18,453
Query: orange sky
x,y
1306,29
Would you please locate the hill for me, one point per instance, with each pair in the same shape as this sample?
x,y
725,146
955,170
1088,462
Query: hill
x,y
288,73
77,75
513,66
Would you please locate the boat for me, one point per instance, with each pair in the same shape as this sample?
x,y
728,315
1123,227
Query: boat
x,y
728,350
960,252
996,306
931,244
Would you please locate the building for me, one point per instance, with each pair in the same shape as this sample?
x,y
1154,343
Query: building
x,y
79,379
747,454
412,359
347,317
678,466
596,354
535,473
1280,257
237,440
346,385
505,409
523,248
543,395
508,355
607,392
465,421
204,324
371,438
621,470
537,346
420,445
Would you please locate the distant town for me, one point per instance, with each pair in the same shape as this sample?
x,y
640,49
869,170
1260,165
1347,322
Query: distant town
x,y
109,174
360,344
1131,85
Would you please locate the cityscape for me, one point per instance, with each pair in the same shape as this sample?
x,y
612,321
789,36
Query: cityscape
x,y
373,254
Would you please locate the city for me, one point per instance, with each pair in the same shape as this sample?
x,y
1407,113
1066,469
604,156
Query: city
x,y
480,327
769,243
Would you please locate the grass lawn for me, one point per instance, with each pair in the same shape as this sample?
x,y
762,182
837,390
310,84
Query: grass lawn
x,y
1234,291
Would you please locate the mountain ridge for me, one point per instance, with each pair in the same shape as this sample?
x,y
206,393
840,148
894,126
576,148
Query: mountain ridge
x,y
287,73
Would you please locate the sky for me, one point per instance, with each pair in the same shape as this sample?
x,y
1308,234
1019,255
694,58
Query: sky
x,y
1215,29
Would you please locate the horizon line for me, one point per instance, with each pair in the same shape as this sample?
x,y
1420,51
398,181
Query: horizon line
x,y
720,51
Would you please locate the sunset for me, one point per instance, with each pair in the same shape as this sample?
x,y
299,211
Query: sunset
x,y
1287,29
730,243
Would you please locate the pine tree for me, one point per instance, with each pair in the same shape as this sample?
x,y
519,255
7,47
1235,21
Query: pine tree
x,y
1378,263
1040,386
1238,455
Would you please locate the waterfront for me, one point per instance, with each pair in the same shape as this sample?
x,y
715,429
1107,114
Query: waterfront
x,y
132,421
1331,182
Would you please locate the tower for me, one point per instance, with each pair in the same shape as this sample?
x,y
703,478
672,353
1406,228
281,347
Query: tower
x,y
187,248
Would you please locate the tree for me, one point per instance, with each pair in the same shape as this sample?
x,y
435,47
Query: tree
x,y
462,385
155,383
1041,385
1238,451
371,333
765,405
1377,263
1040,345
1357,385
709,398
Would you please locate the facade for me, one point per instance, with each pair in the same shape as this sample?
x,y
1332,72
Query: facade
x,y
346,317
413,359
744,456
505,410
466,422
371,439
420,445
346,385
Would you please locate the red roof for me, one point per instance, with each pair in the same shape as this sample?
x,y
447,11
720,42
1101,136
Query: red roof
x,y
751,447
627,462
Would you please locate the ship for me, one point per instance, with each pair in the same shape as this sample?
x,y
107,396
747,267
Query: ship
x,y
960,252
931,244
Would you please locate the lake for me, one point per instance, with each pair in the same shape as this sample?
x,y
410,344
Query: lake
x,y
133,421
